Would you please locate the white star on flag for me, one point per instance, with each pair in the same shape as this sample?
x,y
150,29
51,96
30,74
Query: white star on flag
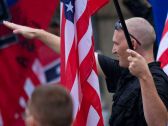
x,y
69,7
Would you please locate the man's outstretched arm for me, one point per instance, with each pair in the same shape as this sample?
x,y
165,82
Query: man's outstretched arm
x,y
49,39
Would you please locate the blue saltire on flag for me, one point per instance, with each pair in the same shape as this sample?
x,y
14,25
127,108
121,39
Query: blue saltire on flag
x,y
160,9
53,73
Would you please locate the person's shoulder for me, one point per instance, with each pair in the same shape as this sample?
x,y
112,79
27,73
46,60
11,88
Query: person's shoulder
x,y
159,76
105,58
155,69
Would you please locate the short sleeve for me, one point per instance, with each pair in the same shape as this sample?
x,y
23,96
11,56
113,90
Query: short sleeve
x,y
162,88
112,71
161,81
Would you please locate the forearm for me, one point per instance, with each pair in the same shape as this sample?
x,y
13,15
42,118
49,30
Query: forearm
x,y
155,111
49,39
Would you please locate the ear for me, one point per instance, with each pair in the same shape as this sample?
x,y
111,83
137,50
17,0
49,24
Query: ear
x,y
134,44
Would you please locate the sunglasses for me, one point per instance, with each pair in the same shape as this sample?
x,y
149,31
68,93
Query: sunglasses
x,y
118,26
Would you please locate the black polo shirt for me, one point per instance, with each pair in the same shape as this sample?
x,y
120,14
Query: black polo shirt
x,y
127,109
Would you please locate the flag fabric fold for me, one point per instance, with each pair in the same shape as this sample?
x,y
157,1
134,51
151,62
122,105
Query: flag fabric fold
x,y
160,10
162,55
78,66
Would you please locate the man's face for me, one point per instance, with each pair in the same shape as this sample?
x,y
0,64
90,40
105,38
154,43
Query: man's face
x,y
119,48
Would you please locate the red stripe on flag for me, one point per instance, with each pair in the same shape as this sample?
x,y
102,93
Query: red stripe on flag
x,y
164,58
163,47
95,5
84,20
71,68
165,28
85,71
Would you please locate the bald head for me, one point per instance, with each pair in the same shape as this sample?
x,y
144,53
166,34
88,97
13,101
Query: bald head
x,y
143,31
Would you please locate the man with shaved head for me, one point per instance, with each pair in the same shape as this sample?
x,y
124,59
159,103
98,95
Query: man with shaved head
x,y
139,84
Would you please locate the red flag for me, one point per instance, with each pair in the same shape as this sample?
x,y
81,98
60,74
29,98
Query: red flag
x,y
78,69
162,55
23,63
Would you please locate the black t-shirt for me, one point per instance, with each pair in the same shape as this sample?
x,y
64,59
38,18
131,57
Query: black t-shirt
x,y
127,109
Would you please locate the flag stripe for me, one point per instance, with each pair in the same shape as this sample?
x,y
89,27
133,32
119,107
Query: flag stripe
x,y
80,8
84,21
165,28
163,45
29,87
92,116
85,43
163,48
93,80
165,68
75,96
164,58
38,71
62,44
69,38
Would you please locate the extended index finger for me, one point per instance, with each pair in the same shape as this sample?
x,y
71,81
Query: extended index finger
x,y
132,53
11,25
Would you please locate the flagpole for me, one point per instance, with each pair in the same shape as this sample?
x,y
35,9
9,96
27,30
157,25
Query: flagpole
x,y
118,9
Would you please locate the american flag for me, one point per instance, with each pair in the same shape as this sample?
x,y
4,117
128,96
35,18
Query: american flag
x,y
78,66
163,49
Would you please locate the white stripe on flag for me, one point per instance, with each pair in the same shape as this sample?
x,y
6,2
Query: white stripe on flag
x,y
94,82
39,71
85,43
93,117
75,96
163,45
80,6
69,38
61,10
165,68
22,102
29,87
